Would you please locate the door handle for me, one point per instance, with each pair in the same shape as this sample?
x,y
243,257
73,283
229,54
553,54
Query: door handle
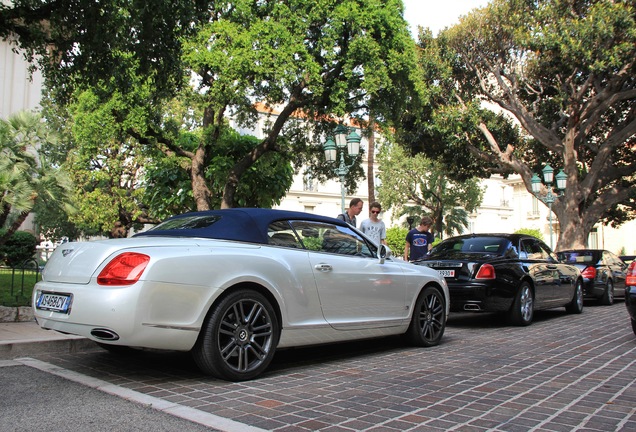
x,y
323,267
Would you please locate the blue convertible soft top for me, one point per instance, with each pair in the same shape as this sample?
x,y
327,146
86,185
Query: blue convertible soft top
x,y
240,224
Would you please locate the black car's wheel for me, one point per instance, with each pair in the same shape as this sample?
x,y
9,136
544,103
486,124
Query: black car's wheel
x,y
522,310
239,337
633,325
429,318
576,304
608,294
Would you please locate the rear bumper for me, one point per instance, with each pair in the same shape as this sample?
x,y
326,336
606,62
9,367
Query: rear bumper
x,y
478,297
593,290
630,301
146,315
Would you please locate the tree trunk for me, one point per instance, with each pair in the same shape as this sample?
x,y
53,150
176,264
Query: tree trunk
x,y
200,190
268,144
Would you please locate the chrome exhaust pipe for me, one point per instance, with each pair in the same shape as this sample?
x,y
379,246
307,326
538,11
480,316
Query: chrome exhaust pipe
x,y
472,307
104,334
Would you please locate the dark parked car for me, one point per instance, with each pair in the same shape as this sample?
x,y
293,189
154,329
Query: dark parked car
x,y
512,273
630,293
603,273
627,259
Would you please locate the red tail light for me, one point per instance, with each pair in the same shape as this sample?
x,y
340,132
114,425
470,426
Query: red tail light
x,y
589,273
124,269
486,271
631,274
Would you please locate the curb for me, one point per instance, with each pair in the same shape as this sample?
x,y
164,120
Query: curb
x,y
16,314
17,349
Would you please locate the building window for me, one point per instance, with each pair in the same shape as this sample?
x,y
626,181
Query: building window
x,y
593,239
534,213
309,184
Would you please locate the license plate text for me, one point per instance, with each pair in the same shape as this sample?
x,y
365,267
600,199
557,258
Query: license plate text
x,y
54,302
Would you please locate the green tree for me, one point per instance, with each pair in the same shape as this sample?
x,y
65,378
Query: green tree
x,y
83,42
262,186
564,70
301,59
424,182
107,169
26,177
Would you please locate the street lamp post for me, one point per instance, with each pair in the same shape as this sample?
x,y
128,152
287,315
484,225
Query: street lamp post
x,y
550,196
350,142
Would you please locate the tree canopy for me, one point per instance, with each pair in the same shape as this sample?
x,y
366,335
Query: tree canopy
x,y
306,64
26,176
79,42
424,182
564,72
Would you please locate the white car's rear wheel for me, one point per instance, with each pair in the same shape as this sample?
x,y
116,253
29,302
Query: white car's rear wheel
x,y
239,337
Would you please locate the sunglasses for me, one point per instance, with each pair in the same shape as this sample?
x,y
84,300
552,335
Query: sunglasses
x,y
375,211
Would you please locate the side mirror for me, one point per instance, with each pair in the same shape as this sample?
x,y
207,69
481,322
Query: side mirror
x,y
384,252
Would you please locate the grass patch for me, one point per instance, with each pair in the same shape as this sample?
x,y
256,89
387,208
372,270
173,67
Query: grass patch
x,y
16,286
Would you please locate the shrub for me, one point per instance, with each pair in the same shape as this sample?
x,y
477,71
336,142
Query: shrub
x,y
19,248
395,239
531,231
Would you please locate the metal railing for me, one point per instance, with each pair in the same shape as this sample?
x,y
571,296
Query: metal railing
x,y
19,280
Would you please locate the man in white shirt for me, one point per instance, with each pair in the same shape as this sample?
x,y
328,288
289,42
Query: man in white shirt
x,y
373,227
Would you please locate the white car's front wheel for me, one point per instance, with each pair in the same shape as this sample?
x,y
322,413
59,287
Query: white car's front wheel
x,y
239,337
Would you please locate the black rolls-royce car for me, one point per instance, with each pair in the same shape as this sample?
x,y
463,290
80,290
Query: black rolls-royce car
x,y
512,273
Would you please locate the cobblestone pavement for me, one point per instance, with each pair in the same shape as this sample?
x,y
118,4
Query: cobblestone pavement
x,y
563,373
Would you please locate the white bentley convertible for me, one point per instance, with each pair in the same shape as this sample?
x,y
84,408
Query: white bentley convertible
x,y
232,286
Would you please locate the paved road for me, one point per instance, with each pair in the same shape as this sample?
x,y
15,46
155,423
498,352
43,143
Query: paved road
x,y
563,373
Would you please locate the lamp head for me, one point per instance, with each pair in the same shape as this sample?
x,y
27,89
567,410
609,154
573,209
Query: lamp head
x,y
340,133
536,183
330,150
353,144
548,174
561,180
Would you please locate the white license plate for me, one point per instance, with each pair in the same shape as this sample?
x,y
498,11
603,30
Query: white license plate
x,y
54,302
447,273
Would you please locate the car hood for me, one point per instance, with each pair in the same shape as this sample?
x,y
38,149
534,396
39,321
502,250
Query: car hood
x,y
77,262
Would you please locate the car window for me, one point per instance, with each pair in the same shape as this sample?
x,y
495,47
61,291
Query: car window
x,y
577,257
488,245
606,259
613,259
532,250
547,253
325,237
187,222
280,233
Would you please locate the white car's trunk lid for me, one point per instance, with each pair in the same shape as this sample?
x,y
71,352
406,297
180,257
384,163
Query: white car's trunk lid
x,y
77,262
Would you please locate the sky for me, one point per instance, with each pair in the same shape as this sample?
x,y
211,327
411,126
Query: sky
x,y
437,14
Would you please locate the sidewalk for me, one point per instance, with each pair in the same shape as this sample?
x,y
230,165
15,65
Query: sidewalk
x,y
23,339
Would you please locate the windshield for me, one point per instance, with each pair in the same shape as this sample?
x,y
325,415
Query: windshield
x,y
469,245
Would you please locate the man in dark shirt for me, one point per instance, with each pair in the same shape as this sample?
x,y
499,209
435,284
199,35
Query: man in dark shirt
x,y
355,208
419,240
